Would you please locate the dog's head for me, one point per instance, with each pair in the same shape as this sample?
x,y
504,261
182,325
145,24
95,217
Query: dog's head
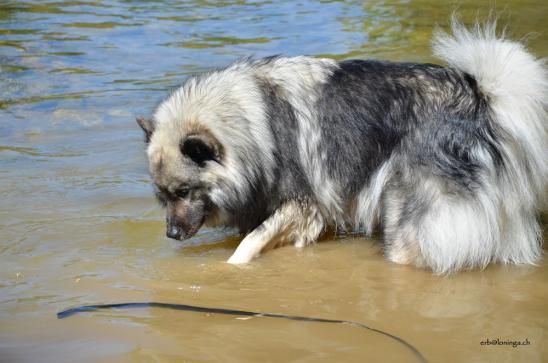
x,y
208,146
179,163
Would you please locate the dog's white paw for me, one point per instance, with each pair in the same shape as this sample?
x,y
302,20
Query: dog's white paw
x,y
238,259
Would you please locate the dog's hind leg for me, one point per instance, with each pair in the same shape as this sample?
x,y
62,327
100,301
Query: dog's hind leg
x,y
400,229
446,231
294,222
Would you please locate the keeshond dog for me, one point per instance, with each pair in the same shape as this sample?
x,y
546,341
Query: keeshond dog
x,y
448,163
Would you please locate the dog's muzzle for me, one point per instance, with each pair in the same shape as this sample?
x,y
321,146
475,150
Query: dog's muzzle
x,y
184,218
181,232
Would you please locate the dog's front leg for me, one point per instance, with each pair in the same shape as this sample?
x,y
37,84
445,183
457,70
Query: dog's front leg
x,y
294,222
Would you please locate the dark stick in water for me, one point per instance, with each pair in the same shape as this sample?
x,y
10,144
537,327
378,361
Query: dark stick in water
x,y
69,312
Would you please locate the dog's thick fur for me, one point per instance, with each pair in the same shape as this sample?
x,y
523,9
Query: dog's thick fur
x,y
450,163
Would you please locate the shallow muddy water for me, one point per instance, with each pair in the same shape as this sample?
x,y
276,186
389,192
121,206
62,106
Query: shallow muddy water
x,y
79,225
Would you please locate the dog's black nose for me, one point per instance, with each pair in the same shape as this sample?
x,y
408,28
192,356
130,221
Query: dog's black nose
x,y
174,232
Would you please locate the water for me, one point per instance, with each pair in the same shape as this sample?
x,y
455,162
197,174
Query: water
x,y
79,225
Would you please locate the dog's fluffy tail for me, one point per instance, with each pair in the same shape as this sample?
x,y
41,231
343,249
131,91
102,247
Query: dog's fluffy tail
x,y
516,86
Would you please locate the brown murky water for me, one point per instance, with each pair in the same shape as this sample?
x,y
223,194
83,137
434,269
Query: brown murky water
x,y
78,224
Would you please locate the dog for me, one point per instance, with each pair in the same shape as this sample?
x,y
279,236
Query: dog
x,y
449,163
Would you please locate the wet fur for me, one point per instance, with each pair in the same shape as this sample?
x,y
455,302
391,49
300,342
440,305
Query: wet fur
x,y
450,163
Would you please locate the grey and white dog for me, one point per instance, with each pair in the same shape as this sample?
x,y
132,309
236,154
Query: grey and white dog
x,y
449,163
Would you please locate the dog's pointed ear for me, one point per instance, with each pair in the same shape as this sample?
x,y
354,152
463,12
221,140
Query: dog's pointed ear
x,y
147,124
202,147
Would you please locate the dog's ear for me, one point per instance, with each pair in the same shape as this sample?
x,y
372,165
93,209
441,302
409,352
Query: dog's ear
x,y
202,147
147,124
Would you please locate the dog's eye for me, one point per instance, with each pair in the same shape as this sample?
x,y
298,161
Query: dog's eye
x,y
182,193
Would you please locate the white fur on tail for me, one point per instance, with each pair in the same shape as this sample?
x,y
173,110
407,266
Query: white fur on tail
x,y
516,85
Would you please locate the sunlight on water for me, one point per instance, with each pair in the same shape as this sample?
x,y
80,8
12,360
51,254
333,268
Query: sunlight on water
x,y
79,225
